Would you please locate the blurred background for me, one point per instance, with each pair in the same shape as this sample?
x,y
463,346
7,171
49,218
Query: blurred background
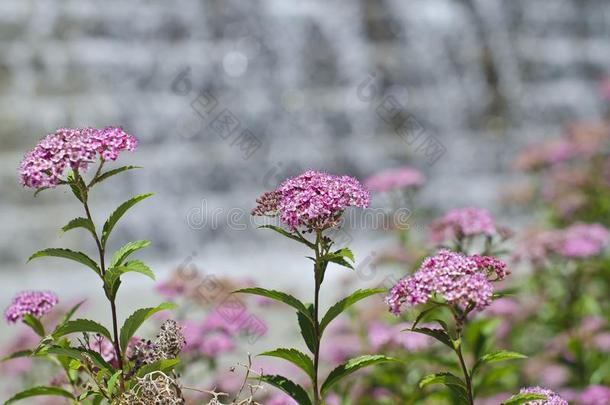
x,y
229,97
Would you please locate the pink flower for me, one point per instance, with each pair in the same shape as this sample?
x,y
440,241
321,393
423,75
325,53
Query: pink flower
x,y
595,395
461,222
583,240
314,200
281,399
457,278
400,178
381,335
551,397
44,165
35,303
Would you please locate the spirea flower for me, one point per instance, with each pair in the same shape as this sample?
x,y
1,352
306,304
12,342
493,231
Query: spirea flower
x,y
595,395
73,148
400,178
457,278
35,303
461,222
582,240
551,397
314,200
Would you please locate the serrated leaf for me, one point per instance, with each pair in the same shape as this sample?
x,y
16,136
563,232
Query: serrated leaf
x,y
345,303
441,378
294,356
39,391
78,353
161,365
451,381
495,357
113,380
352,366
111,173
35,324
114,273
437,334
119,257
281,297
118,213
293,390
284,232
520,399
80,223
307,329
81,325
133,323
79,257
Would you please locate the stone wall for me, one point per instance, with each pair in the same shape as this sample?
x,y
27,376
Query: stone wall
x,y
347,86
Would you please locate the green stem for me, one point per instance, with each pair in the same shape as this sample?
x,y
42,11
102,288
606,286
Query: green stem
x,y
460,323
102,253
318,276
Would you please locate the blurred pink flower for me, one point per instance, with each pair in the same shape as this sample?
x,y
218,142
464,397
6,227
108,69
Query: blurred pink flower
x,y
583,240
399,178
461,222
595,395
551,397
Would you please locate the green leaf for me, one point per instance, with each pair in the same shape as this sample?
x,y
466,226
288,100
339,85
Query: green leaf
x,y
292,236
424,313
78,353
72,311
133,323
307,329
68,254
496,357
294,356
437,334
35,324
339,257
520,399
16,355
454,383
441,378
126,250
293,390
118,213
113,380
114,273
161,365
40,391
352,366
279,296
39,190
80,223
111,173
345,303
81,325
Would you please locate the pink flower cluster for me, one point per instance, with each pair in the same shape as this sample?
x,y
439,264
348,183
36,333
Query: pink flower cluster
x,y
551,397
461,222
212,337
44,165
595,395
457,278
381,335
582,240
314,200
577,241
400,178
35,303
